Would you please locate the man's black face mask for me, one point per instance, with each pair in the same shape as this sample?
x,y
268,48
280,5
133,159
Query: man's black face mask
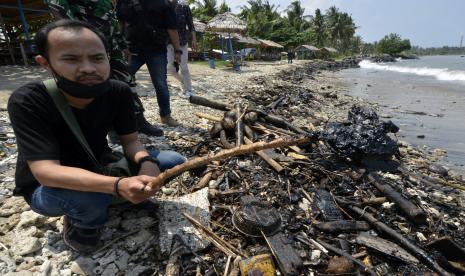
x,y
80,90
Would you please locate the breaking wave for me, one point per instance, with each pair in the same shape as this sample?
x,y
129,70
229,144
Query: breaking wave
x,y
443,74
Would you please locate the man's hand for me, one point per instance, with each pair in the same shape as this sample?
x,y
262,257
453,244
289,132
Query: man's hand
x,y
194,44
136,189
177,57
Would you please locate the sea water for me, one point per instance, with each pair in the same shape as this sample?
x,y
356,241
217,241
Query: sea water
x,y
424,97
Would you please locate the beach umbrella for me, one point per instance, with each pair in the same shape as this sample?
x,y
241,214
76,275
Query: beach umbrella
x,y
227,23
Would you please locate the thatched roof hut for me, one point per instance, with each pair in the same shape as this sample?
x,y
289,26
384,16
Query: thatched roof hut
x,y
305,47
199,26
270,44
246,40
328,50
227,23
306,51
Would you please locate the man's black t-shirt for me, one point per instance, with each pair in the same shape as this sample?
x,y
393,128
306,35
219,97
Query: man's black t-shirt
x,y
146,33
42,133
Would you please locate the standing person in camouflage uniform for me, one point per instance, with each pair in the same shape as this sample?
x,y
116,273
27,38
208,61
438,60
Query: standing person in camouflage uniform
x,y
101,14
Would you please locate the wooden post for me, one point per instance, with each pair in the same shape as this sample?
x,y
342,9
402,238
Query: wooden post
x,y
23,54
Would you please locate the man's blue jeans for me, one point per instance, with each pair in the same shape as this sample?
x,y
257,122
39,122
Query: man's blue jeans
x,y
157,70
87,209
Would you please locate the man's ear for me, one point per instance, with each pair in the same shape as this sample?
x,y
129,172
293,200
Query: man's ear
x,y
42,61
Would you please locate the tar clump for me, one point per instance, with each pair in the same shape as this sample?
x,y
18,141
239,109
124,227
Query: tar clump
x,y
362,135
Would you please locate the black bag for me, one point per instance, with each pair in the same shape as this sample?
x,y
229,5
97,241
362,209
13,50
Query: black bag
x,y
120,165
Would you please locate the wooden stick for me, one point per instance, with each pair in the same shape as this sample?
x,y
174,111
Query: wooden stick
x,y
348,256
239,125
228,264
221,244
203,182
275,165
224,154
412,211
209,103
208,116
403,241
374,201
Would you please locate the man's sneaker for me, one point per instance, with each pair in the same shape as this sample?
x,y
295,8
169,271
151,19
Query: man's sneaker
x,y
169,121
79,239
148,129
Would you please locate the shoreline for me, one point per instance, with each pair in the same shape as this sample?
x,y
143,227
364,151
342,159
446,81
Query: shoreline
x,y
311,96
426,110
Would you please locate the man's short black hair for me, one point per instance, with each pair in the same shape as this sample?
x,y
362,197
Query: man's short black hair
x,y
41,38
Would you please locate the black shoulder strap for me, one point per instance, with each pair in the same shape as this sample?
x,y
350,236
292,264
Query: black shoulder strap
x,y
68,116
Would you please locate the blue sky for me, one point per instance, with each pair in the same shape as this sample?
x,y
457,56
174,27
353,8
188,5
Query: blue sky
x,y
425,22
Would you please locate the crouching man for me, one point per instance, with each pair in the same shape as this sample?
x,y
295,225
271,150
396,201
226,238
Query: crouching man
x,y
53,172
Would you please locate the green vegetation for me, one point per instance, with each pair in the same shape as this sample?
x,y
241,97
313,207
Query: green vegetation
x,y
292,28
393,45
445,50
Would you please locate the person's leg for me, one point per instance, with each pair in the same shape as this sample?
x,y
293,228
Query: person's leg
x,y
84,209
168,159
135,64
142,124
186,75
157,69
170,66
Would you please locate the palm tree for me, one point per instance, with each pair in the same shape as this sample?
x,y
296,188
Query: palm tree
x,y
318,27
224,8
295,15
260,16
205,10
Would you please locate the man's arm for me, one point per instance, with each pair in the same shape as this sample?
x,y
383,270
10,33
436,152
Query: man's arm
x,y
134,150
51,173
174,38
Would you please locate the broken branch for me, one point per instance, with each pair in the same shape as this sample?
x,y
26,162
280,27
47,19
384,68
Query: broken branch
x,y
408,208
224,154
403,241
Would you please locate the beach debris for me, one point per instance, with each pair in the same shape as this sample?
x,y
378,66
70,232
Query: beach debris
x,y
342,226
326,206
340,265
258,265
255,217
173,223
412,211
363,135
346,256
385,247
420,253
454,254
